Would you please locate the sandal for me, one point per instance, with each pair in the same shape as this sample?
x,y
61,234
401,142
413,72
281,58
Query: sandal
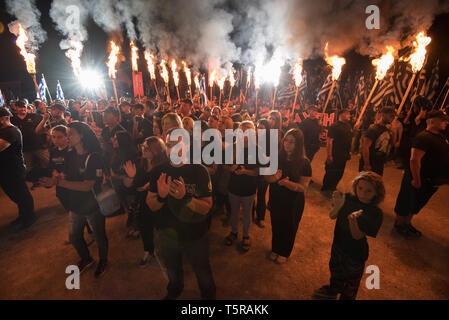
x,y
229,240
246,243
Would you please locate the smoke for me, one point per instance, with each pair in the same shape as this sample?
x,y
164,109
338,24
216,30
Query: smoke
x,y
124,10
104,14
28,16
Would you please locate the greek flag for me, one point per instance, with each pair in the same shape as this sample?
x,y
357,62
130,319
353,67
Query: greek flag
x,y
202,91
360,95
2,100
403,78
59,92
384,91
325,88
42,87
433,82
303,86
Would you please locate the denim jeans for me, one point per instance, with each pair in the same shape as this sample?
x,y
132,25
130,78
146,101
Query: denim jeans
x,y
247,208
197,252
76,235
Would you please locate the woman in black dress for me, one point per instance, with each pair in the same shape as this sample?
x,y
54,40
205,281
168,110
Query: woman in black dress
x,y
286,196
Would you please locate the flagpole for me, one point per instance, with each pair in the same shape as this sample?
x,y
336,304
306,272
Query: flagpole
x,y
444,101
329,97
294,102
230,94
406,93
366,103
37,87
274,97
219,100
257,108
441,92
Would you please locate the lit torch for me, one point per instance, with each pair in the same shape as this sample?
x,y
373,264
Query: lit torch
x,y
416,59
197,82
175,75
188,77
134,58
248,81
112,62
151,69
383,64
29,58
337,64
220,83
211,82
297,76
164,75
232,83
74,54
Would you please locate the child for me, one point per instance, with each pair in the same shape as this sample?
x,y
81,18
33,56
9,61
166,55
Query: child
x,y
358,215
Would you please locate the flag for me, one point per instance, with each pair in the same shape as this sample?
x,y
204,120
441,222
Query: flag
x,y
360,94
202,91
286,92
403,78
303,86
59,92
42,87
2,100
325,88
433,82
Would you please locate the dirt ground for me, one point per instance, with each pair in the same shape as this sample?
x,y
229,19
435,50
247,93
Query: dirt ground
x,y
33,263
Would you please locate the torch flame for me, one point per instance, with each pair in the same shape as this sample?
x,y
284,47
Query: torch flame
x,y
112,61
197,81
188,74
149,57
384,63
231,78
134,56
418,57
297,73
221,82
28,57
248,78
212,78
336,62
175,73
74,54
164,72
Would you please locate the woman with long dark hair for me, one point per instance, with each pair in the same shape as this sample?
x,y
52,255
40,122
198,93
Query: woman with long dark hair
x,y
287,187
137,177
83,174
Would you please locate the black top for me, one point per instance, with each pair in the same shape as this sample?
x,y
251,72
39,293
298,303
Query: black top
x,y
436,158
342,134
57,159
11,159
381,138
369,222
243,185
174,218
27,125
83,202
311,129
283,197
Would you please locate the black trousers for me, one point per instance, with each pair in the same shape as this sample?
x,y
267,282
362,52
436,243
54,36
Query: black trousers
x,y
311,152
376,166
261,205
284,226
410,200
13,184
346,274
146,228
333,175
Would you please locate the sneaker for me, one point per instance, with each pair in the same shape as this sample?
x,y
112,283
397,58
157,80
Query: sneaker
x,y
101,268
85,264
281,260
259,223
146,258
325,292
273,256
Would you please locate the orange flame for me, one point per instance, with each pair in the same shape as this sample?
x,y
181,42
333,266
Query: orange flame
x,y
149,57
188,74
212,78
248,78
112,61
164,72
197,81
221,82
134,56
336,62
419,56
28,57
175,73
74,54
231,78
384,63
297,73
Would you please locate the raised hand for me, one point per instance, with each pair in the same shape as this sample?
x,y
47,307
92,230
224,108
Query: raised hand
x,y
130,169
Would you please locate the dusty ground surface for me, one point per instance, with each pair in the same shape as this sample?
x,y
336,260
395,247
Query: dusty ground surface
x,y
33,263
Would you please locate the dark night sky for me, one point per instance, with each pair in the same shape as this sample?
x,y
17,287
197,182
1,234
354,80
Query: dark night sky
x,y
53,63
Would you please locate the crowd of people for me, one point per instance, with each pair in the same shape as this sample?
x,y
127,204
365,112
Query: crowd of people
x,y
93,152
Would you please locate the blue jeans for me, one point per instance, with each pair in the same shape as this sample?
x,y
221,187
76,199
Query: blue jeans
x,y
76,235
197,252
247,208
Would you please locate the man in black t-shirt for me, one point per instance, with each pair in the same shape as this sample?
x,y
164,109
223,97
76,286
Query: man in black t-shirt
x,y
428,170
339,140
181,194
34,153
311,129
376,143
12,171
